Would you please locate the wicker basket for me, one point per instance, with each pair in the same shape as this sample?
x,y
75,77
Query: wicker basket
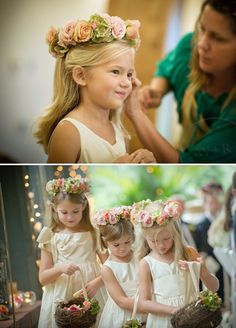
x,y
196,315
73,319
77,319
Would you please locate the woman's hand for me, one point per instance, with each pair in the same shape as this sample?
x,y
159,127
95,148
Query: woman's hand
x,y
149,97
142,156
131,104
67,268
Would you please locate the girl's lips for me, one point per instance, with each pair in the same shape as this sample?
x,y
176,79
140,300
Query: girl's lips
x,y
121,94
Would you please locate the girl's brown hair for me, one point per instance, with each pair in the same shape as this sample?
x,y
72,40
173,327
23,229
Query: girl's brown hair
x,y
81,198
111,232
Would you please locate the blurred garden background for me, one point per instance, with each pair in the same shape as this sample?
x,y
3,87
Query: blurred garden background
x,y
125,184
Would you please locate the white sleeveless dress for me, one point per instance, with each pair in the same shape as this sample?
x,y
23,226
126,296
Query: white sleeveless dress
x,y
168,288
126,274
75,248
95,149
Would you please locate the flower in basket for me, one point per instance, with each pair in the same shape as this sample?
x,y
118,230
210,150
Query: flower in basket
x,y
91,305
79,312
134,323
210,300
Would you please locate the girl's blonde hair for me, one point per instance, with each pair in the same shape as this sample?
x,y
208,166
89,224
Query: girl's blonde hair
x,y
180,247
199,80
66,94
112,232
54,222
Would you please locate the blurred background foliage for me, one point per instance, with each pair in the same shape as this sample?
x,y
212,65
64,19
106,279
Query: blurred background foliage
x,y
113,185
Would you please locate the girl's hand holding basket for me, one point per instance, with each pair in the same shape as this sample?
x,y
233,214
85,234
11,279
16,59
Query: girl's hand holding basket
x,y
78,312
133,323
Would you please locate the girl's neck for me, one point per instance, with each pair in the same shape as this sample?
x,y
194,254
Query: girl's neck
x,y
125,259
166,258
91,114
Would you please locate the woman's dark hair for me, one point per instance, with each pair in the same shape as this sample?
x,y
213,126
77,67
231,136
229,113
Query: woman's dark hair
x,y
227,209
234,180
224,7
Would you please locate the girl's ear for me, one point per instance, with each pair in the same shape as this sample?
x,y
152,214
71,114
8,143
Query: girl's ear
x,y
78,74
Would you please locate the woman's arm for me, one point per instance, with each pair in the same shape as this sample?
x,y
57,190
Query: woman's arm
x,y
149,136
146,303
150,96
49,273
115,291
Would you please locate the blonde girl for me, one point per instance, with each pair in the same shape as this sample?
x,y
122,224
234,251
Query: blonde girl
x,y
68,247
119,272
163,258
93,77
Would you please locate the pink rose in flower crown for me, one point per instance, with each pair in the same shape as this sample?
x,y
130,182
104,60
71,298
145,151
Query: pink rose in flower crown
x,y
145,218
162,219
60,182
118,27
66,34
100,218
173,209
83,31
112,218
132,29
52,35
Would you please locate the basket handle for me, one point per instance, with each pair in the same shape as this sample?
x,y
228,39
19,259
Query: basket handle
x,y
191,277
85,294
136,297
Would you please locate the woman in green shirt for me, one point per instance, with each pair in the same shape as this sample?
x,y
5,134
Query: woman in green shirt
x,y
201,71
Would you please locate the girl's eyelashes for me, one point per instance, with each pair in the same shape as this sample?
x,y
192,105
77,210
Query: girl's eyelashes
x,y
115,71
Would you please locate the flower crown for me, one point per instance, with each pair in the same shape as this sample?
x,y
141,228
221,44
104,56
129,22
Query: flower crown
x,y
148,213
112,216
98,29
67,186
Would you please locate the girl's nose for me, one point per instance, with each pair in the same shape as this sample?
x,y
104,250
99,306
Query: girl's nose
x,y
126,82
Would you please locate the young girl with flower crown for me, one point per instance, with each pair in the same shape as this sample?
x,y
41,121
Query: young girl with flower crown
x,y
68,249
93,77
165,261
119,272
